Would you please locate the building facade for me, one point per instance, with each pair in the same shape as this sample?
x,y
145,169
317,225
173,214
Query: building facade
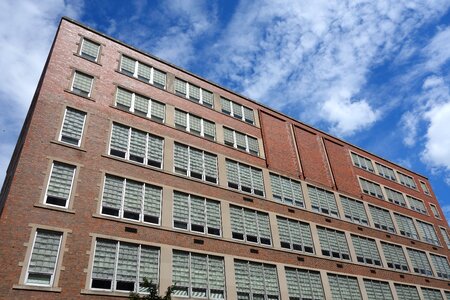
x,y
130,167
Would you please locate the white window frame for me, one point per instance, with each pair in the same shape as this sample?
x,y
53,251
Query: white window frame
x,y
404,182
187,96
150,104
71,185
435,211
239,188
82,129
359,164
202,126
73,81
244,234
425,188
136,66
382,175
188,171
410,200
445,235
81,49
397,261
242,111
247,144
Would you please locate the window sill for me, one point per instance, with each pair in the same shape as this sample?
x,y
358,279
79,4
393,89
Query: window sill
x,y
95,62
147,83
68,145
122,220
105,293
66,210
85,97
139,116
37,288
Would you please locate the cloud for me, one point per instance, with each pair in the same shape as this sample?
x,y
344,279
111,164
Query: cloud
x,y
438,51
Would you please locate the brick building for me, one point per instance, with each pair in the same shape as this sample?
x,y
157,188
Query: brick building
x,y
129,167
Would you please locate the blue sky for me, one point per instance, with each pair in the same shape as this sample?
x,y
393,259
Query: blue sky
x,y
375,73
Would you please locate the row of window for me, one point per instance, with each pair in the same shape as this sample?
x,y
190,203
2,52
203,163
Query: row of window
x,y
121,267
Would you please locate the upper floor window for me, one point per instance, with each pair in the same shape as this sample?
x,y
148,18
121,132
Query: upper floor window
x,y
250,225
381,218
406,180
295,235
416,204
371,188
333,243
304,284
354,211
431,294
142,71
395,257
72,128
140,105
322,201
90,49
344,287
195,163
427,233
60,184
395,197
366,250
241,141
445,236
377,290
136,145
406,226
362,162
256,280
195,125
406,292
386,172
441,265
286,190
424,187
82,84
435,211
238,111
194,93
245,178
419,262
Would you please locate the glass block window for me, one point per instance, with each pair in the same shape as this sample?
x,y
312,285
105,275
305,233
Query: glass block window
x,y
44,256
362,162
407,180
354,211
245,178
435,211
195,125
195,163
60,184
72,128
377,290
406,292
427,233
238,111
406,226
196,214
333,243
441,265
366,250
130,199
198,275
295,235
381,218
194,93
89,49
447,294
322,201
82,84
250,225
424,187
432,294
419,262
120,266
241,141
256,280
371,188
344,287
395,257
136,145
395,197
304,284
141,71
445,236
416,204
286,190
140,105
386,172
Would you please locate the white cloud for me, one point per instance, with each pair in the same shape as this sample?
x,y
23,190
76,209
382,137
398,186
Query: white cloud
x,y
438,51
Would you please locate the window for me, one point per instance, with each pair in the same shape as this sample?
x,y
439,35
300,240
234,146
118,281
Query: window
x,y
424,187
381,219
344,287
72,128
82,84
427,233
286,190
241,141
431,294
295,235
386,172
193,93
120,266
60,184
406,180
195,125
406,226
238,111
44,256
136,145
196,214
354,211
245,178
141,71
377,290
441,265
406,292
395,257
129,199
89,49
362,162
304,284
256,281
366,250
140,105
435,211
419,262
445,236
370,188
195,163
333,243
198,275
416,204
322,201
395,197
250,225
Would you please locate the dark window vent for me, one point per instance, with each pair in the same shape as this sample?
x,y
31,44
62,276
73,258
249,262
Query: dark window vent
x,y
130,229
291,210
248,199
327,220
256,251
340,266
373,271
299,258
199,241
388,236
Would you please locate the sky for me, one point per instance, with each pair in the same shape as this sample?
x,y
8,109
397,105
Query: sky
x,y
374,73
